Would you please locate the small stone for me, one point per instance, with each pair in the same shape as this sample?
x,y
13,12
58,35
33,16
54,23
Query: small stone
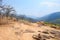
x,y
37,37
39,31
45,36
17,33
45,32
44,39
51,37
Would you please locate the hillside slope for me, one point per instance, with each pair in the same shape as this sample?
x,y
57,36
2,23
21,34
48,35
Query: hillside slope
x,y
11,29
53,18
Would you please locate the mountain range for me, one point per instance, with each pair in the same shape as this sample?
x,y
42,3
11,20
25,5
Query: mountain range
x,y
52,18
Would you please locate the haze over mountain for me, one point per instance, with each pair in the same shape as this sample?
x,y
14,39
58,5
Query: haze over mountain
x,y
54,18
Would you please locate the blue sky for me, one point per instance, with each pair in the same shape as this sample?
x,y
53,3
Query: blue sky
x,y
35,8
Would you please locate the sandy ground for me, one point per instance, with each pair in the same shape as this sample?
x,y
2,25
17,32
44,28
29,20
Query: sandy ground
x,y
21,31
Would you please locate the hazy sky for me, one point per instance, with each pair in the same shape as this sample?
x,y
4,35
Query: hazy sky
x,y
35,8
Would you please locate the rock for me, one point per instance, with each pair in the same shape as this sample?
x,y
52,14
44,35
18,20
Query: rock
x,y
17,33
53,26
51,36
45,37
55,33
29,31
45,32
39,31
37,37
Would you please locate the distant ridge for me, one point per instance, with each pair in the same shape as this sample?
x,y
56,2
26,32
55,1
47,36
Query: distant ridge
x,y
53,18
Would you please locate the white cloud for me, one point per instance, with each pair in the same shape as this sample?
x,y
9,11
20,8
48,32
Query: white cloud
x,y
49,4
